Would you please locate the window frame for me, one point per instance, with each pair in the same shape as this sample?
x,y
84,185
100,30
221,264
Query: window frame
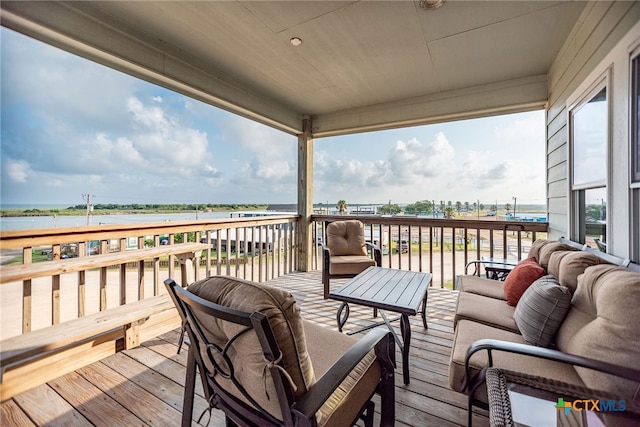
x,y
634,118
634,152
577,192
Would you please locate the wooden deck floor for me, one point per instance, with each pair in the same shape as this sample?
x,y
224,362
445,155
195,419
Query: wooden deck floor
x,y
144,386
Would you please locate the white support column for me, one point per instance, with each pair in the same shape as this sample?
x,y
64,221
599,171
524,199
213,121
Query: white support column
x,y
305,196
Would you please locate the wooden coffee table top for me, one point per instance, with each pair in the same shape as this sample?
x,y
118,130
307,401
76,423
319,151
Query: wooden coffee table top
x,y
399,291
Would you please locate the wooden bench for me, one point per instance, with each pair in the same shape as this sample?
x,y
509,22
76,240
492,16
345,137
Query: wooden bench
x,y
36,357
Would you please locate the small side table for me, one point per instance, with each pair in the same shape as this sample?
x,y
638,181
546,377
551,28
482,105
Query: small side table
x,y
519,400
495,268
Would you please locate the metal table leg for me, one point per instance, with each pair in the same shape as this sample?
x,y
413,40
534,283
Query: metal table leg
x,y
340,319
405,331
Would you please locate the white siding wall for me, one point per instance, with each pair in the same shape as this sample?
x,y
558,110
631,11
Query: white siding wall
x,y
600,43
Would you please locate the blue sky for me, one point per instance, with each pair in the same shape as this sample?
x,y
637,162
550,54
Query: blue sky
x,y
71,127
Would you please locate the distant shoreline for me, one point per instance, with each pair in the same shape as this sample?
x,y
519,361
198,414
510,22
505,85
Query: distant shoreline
x,y
114,209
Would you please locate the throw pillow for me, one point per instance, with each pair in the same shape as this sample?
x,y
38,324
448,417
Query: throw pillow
x,y
520,278
541,310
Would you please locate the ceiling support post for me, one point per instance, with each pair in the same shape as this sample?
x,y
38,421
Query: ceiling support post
x,y
305,196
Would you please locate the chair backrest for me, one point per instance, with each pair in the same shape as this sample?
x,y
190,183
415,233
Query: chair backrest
x,y
346,238
248,342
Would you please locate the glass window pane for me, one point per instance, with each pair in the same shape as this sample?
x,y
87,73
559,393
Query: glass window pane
x,y
590,140
594,209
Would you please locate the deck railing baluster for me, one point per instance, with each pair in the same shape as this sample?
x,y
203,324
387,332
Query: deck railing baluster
x,y
446,259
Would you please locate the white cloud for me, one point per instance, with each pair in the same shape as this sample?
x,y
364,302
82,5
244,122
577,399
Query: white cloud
x,y
87,125
414,160
17,170
266,153
406,168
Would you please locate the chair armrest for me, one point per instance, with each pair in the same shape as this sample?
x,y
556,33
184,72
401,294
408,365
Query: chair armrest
x,y
377,253
545,353
326,257
311,402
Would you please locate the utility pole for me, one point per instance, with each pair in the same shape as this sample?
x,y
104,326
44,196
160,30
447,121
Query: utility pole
x,y
87,199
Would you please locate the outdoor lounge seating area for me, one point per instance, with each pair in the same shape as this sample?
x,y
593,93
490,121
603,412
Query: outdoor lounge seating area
x,y
564,320
147,380
364,66
145,385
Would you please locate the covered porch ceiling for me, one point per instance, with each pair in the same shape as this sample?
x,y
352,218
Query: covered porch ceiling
x,y
362,65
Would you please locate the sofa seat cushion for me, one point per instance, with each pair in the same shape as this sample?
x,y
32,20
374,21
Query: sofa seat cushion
x,y
350,264
490,311
346,402
541,310
566,266
520,278
603,324
481,286
467,332
246,352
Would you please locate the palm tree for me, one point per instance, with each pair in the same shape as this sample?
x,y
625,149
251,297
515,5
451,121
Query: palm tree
x,y
448,212
342,206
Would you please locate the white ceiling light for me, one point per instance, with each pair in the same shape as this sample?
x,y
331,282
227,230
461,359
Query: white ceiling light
x,y
295,41
431,4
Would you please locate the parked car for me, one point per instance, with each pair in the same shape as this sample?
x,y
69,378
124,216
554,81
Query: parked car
x,y
404,246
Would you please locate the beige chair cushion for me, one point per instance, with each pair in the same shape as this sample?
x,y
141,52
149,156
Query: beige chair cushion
x,y
490,311
534,252
346,238
467,332
349,264
603,324
482,286
346,402
284,317
566,266
547,250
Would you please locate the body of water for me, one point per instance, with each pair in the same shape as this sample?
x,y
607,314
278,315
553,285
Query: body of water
x,y
36,222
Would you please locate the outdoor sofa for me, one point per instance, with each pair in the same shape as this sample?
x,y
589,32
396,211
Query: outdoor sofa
x,y
559,311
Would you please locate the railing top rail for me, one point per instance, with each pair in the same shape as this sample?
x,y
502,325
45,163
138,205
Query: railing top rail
x,y
439,222
48,236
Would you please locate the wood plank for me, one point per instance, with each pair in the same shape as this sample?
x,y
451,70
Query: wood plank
x,y
12,415
157,384
145,405
46,407
37,342
92,402
160,364
23,377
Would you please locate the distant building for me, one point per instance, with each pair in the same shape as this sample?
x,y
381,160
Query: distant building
x,y
285,208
